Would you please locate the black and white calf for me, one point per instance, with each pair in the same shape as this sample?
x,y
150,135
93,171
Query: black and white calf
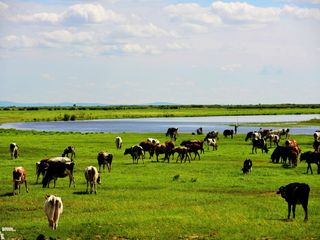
x,y
14,150
296,193
93,177
247,166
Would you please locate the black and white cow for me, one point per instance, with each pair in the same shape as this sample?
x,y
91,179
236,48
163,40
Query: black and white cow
x,y
172,132
118,142
14,150
259,143
296,193
105,158
136,153
58,168
247,166
69,150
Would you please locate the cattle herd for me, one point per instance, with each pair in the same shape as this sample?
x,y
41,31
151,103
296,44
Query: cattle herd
x,y
60,167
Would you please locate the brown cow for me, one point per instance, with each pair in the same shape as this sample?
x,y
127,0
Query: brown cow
x,y
19,177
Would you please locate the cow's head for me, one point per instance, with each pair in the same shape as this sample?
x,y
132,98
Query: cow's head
x,y
282,191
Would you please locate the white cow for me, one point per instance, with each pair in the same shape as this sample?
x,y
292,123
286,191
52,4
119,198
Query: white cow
x,y
53,208
118,142
93,177
213,143
14,150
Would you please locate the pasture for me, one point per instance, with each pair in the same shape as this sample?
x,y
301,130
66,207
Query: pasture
x,y
206,199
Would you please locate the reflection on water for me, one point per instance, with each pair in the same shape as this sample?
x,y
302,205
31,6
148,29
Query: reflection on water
x,y
185,124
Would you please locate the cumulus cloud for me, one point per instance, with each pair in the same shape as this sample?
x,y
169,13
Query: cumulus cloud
x,y
14,41
244,12
302,13
43,17
3,7
65,36
134,48
145,30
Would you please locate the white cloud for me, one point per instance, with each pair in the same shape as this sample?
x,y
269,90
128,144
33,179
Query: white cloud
x,y
302,13
3,7
133,48
14,41
244,12
145,30
230,67
43,17
65,36
178,46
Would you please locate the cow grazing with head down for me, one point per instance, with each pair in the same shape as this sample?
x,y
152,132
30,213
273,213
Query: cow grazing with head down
x,y
41,168
259,143
311,157
14,150
69,150
53,207
118,142
280,152
93,177
172,132
19,177
105,158
183,153
247,166
136,153
147,147
58,167
296,193
212,135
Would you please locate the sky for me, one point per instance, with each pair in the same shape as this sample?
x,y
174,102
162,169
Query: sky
x,y
146,51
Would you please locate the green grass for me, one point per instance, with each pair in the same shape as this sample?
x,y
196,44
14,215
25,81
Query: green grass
x,y
211,199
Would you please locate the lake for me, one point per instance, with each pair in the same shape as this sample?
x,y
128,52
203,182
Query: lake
x,y
185,124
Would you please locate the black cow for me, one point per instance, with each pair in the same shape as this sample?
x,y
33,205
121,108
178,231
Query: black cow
x,y
136,152
104,159
71,150
228,132
172,132
41,168
296,193
311,157
247,166
259,143
58,169
199,131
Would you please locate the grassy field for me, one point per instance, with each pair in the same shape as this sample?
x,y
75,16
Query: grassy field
x,y
80,113
211,199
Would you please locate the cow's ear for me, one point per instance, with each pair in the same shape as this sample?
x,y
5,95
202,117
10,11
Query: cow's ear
x,y
46,196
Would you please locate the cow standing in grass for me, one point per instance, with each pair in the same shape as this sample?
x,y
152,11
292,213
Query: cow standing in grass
x,y
296,193
19,177
118,142
93,178
104,158
69,150
53,207
14,150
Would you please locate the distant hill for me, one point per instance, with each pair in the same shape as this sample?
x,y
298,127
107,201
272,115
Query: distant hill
x,y
67,104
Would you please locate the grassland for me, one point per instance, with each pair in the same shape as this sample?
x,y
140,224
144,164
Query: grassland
x,y
26,114
211,199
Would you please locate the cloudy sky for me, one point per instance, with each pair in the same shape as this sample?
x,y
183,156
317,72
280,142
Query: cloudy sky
x,y
144,51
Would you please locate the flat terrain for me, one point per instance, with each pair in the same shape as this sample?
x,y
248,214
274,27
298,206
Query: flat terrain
x,y
211,198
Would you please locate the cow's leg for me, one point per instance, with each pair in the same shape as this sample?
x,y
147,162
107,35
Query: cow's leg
x,y
289,210
294,210
25,183
87,186
305,208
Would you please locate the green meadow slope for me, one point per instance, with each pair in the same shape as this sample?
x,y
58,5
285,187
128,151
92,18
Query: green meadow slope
x,y
211,198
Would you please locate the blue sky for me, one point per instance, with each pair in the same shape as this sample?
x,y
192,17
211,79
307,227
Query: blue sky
x,y
185,52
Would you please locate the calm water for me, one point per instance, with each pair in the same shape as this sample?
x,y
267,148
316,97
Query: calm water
x,y
185,124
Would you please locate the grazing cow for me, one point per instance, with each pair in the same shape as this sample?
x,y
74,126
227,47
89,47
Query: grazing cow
x,y
264,132
93,177
316,145
316,135
228,132
153,141
311,157
118,142
172,132
199,131
169,149
284,132
252,135
273,138
259,143
213,143
147,147
136,153
104,158
53,208
296,193
247,166
193,148
293,156
182,153
41,168
14,150
199,142
160,149
280,152
19,177
212,135
293,145
58,168
71,150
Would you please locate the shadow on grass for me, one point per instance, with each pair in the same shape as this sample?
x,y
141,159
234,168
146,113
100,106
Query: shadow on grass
x,y
7,194
80,193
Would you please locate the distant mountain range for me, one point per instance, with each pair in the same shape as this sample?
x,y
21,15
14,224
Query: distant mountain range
x,y
67,104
